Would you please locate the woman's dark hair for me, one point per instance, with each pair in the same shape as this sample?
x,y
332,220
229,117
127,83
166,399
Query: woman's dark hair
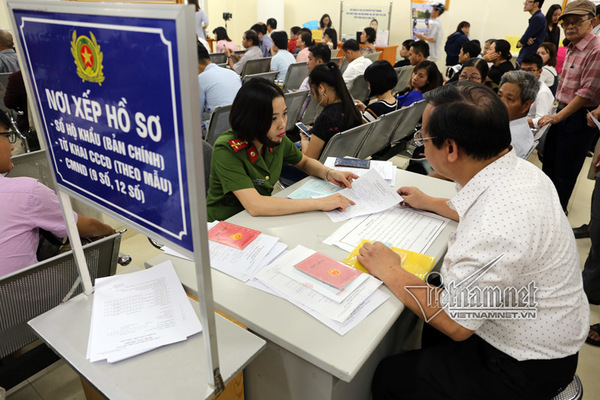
x,y
503,47
221,34
549,14
381,77
306,39
321,24
329,74
459,112
463,24
551,50
371,34
251,113
481,66
433,75
332,35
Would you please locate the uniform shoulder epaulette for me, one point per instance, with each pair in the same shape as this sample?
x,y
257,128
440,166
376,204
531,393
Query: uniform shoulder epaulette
x,y
238,144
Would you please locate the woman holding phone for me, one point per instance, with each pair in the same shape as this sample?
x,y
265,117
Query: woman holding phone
x,y
247,160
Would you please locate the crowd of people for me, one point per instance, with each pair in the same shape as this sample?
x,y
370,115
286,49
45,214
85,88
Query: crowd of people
x,y
485,114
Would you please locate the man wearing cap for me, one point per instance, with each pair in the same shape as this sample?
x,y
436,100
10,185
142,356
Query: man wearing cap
x,y
570,138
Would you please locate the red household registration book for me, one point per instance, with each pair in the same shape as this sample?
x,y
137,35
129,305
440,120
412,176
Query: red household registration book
x,y
328,270
232,235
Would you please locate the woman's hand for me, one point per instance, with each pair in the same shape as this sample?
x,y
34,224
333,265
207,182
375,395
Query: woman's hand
x,y
341,178
360,105
334,202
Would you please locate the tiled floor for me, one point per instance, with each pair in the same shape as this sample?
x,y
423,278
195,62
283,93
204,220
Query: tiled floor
x,y
60,382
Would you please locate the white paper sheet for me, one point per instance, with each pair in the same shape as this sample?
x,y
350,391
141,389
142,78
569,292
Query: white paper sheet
x,y
339,312
241,264
138,312
386,169
401,227
594,119
366,308
371,195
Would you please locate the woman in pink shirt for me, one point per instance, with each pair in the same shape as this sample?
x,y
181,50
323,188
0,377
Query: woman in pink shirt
x,y
223,40
304,41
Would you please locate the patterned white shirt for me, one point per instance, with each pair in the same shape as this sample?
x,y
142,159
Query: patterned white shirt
x,y
511,208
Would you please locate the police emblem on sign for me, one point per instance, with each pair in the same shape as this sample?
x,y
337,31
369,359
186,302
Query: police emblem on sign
x,y
88,58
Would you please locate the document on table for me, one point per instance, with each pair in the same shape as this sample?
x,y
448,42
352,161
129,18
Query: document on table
x,y
401,227
386,169
371,195
314,188
241,264
272,276
326,290
138,312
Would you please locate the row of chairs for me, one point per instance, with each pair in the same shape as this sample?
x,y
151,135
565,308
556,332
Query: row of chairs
x,y
360,88
365,140
219,119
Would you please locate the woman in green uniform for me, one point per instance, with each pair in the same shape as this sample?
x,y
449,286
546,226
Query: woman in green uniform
x,y
246,161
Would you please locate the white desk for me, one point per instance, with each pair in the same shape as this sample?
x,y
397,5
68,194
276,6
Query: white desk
x,y
304,359
176,371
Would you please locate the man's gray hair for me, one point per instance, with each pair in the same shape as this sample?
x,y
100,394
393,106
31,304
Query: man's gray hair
x,y
6,39
527,82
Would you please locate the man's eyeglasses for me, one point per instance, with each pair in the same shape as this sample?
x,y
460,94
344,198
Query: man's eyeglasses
x,y
529,69
474,78
573,21
419,139
11,136
528,2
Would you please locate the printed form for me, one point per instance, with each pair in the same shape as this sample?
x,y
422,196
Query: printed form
x,y
399,226
138,312
371,195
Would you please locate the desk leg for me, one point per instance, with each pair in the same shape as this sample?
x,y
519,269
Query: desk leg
x,y
279,374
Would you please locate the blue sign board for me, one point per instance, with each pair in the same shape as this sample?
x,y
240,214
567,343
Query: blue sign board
x,y
108,90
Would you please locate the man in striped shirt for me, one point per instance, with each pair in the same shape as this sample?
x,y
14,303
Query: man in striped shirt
x,y
570,138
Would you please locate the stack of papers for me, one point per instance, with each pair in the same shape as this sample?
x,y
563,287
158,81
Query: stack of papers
x,y
340,310
399,226
138,312
386,169
239,263
370,193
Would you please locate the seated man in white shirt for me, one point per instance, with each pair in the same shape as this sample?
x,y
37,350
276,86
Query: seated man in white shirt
x,y
511,307
250,43
542,105
282,59
218,86
356,62
518,90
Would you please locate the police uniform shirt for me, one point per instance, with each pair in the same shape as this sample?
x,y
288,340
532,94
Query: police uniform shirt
x,y
236,165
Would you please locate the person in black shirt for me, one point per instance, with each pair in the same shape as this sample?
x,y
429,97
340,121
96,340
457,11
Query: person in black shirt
x,y
404,51
552,28
500,56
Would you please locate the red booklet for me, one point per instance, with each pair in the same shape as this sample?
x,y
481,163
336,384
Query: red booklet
x,y
232,235
328,270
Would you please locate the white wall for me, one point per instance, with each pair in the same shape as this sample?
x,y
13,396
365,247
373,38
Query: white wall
x,y
488,18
